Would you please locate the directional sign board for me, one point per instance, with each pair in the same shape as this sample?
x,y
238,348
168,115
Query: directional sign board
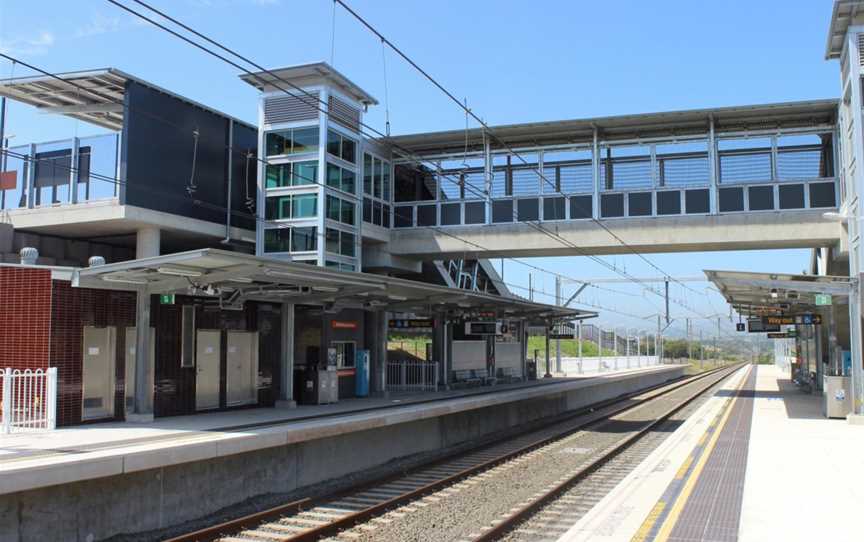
x,y
758,325
790,320
563,330
411,323
823,299
782,335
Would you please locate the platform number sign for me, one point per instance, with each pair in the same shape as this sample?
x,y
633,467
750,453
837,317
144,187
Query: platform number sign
x,y
166,299
740,326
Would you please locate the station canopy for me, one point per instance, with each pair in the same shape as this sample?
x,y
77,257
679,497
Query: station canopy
x,y
94,96
229,278
779,293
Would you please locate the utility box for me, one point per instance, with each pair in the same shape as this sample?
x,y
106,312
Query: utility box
x,y
837,396
361,375
329,382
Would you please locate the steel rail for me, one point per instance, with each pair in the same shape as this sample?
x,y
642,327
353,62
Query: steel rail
x,y
594,411
528,510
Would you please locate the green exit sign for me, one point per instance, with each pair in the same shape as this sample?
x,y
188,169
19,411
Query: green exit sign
x,y
166,299
823,299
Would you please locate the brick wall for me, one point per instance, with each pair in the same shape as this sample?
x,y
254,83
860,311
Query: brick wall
x,y
71,310
25,315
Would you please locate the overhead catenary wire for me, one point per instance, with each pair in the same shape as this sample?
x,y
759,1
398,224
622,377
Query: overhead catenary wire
x,y
264,161
322,108
486,127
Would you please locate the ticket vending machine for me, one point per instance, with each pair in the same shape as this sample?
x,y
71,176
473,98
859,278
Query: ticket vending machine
x,y
361,375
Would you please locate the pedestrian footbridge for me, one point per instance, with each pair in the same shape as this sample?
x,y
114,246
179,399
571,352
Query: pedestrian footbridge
x,y
715,179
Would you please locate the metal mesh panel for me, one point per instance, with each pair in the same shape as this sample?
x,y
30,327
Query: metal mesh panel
x,y
526,182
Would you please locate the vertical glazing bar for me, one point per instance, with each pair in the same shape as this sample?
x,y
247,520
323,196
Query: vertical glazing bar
x,y
73,171
595,175
713,169
487,174
774,158
31,178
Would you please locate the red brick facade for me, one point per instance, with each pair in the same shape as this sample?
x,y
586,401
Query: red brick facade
x,y
41,325
25,316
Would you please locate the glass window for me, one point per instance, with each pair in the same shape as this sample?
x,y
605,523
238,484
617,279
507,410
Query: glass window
x,y
334,143
332,264
304,206
292,141
367,174
277,208
334,176
332,241
303,239
305,140
385,216
344,352
341,147
305,173
349,150
385,181
333,208
376,213
348,181
347,214
367,210
347,244
277,175
279,143
377,178
277,240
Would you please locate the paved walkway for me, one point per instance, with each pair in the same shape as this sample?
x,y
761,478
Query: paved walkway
x,y
756,462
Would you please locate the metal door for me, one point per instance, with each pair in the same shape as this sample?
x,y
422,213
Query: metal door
x,y
129,381
207,356
242,362
98,372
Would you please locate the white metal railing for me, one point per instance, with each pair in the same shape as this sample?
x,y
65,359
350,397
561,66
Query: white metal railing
x,y
412,375
29,400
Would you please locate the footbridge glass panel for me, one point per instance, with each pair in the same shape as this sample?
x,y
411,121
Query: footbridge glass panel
x,y
736,172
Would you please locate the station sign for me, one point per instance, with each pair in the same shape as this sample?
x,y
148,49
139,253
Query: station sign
x,y
563,330
791,334
823,299
485,328
343,324
791,320
758,325
411,323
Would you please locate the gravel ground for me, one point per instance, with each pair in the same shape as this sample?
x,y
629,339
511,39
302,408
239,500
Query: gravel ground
x,y
553,520
468,507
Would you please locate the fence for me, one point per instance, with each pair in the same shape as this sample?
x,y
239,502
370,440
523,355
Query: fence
x,y
412,375
29,400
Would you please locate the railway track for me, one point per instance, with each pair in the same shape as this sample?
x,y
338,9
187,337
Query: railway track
x,y
368,511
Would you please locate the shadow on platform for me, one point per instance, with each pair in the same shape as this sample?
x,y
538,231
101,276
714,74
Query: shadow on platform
x,y
799,404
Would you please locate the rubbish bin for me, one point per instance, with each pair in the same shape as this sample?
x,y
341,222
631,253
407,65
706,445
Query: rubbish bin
x,y
837,396
311,389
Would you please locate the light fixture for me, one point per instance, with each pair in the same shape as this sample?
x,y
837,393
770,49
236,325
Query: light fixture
x,y
179,272
242,280
397,298
120,280
326,289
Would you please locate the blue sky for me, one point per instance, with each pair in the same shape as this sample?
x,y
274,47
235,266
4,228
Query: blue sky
x,y
512,61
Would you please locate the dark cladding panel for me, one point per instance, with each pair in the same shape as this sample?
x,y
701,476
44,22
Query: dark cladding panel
x,y
158,147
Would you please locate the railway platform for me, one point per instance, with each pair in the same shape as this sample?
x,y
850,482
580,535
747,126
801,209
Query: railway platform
x,y
155,475
744,467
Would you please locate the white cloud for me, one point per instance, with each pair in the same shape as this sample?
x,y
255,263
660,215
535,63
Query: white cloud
x,y
98,24
35,45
